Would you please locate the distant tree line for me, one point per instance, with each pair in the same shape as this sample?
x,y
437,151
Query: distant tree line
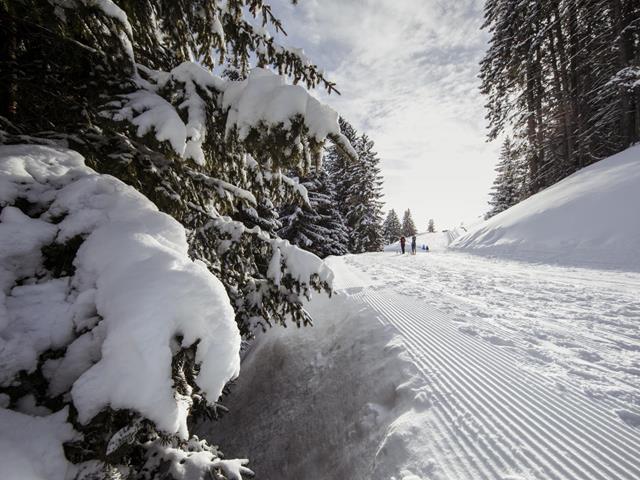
x,y
393,229
562,79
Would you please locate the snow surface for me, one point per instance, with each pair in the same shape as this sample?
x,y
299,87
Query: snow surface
x,y
31,447
448,366
587,219
302,394
134,298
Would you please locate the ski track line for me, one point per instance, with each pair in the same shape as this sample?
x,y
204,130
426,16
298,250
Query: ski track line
x,y
514,445
542,409
586,466
446,462
521,344
567,361
461,413
551,462
601,432
478,470
489,349
587,426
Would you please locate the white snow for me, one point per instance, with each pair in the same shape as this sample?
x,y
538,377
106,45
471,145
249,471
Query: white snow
x,y
134,288
587,219
300,264
321,397
196,461
151,113
112,10
448,366
31,447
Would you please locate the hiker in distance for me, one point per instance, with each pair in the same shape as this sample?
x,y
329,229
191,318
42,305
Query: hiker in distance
x,y
413,245
402,243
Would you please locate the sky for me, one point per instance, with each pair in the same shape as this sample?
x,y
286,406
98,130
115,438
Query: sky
x,y
407,73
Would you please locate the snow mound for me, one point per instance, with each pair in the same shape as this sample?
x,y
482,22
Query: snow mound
x,y
343,400
32,446
132,298
588,219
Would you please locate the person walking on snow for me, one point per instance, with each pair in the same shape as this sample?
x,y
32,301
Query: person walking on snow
x,y
402,242
413,245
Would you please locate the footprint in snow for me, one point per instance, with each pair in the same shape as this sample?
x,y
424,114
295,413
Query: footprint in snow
x,y
630,418
499,341
589,356
468,329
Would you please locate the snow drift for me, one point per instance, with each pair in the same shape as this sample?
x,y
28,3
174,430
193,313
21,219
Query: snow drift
x,y
332,400
588,219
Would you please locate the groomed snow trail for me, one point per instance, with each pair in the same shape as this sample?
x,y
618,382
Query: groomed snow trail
x,y
496,410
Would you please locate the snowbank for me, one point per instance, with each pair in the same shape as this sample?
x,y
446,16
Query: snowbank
x,y
337,400
130,299
266,97
588,219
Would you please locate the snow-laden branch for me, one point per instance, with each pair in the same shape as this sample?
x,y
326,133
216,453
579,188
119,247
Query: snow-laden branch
x,y
131,301
263,99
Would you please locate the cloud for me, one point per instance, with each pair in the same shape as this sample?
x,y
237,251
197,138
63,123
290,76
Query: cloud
x,y
407,71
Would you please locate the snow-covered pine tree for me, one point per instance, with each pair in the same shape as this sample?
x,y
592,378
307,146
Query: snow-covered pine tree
x,y
408,226
358,191
392,228
366,217
431,227
509,186
343,172
316,225
563,76
114,80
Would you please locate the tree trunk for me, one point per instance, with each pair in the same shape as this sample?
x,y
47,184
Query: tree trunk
x,y
532,157
8,57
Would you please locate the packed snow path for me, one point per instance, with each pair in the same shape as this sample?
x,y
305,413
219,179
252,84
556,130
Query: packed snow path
x,y
447,366
532,371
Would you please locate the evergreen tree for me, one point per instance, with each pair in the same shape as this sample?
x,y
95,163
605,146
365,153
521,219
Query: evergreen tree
x,y
563,76
391,228
510,183
431,227
408,226
317,225
358,191
115,81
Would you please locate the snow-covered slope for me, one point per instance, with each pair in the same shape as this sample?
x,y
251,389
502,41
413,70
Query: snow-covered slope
x,y
322,398
588,219
448,367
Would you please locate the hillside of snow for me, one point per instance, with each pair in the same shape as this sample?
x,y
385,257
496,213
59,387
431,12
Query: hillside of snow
x,y
588,219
